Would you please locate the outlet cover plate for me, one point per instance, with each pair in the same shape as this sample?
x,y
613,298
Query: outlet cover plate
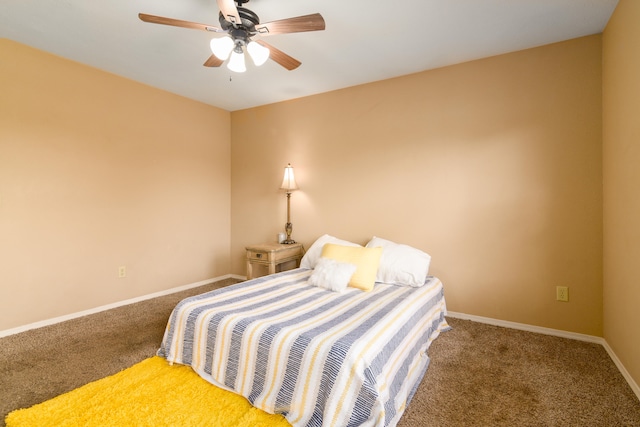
x,y
562,293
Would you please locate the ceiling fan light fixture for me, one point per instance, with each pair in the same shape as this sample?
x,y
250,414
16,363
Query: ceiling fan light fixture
x,y
236,62
222,47
240,24
258,53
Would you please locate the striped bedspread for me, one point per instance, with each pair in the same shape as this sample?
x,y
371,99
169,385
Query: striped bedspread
x,y
318,357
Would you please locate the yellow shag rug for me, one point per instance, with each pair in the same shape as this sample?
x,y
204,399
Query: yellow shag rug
x,y
150,393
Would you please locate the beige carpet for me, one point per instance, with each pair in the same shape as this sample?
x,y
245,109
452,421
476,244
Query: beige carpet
x,y
479,375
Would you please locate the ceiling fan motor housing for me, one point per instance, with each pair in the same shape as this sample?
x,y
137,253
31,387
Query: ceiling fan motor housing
x,y
248,21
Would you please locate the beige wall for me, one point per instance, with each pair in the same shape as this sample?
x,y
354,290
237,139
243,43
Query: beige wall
x,y
621,139
98,172
493,167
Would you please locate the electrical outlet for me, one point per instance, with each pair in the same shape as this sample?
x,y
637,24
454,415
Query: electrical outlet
x,y
122,271
562,293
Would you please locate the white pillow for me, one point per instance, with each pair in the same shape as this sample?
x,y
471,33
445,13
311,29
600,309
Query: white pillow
x,y
311,257
401,264
331,274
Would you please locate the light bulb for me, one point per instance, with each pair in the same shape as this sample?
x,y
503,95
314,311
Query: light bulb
x,y
222,47
259,54
236,62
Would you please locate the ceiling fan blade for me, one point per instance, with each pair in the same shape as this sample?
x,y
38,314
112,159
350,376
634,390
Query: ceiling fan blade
x,y
178,23
213,61
229,11
313,22
280,57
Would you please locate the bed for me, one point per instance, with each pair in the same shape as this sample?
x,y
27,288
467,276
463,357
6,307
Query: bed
x,y
317,356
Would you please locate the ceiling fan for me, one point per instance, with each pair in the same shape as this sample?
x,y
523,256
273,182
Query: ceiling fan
x,y
239,25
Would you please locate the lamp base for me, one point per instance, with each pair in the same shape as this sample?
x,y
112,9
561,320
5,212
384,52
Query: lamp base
x,y
288,228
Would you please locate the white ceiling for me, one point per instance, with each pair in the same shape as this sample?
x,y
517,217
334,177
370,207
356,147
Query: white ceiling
x,y
364,40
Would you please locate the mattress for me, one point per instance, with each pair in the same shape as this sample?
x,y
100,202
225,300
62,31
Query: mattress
x,y
318,357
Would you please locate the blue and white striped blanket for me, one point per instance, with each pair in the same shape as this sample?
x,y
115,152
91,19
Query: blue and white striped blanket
x,y
318,357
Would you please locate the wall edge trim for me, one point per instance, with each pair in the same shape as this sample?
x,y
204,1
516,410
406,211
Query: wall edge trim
x,y
627,376
63,318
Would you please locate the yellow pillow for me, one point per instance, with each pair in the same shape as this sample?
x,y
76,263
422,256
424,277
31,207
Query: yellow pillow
x,y
365,259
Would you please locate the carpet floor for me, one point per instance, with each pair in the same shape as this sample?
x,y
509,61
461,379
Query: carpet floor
x,y
479,375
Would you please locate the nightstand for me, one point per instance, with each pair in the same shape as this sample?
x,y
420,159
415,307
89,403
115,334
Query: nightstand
x,y
272,255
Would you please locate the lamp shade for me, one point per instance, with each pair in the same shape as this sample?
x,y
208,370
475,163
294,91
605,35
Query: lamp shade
x,y
236,62
222,47
258,53
289,181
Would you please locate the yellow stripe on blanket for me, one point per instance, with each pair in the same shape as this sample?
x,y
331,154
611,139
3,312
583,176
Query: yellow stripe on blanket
x,y
150,393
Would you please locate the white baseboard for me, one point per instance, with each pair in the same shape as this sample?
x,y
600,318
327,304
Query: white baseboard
x,y
66,317
558,333
634,386
496,322
529,328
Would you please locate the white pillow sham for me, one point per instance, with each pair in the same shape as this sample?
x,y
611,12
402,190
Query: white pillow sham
x,y
401,264
331,274
312,256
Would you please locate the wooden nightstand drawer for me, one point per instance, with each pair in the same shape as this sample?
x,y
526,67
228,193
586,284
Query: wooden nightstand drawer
x,y
272,255
257,256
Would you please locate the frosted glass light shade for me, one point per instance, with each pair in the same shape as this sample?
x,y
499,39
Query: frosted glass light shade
x,y
236,62
222,47
289,181
259,54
